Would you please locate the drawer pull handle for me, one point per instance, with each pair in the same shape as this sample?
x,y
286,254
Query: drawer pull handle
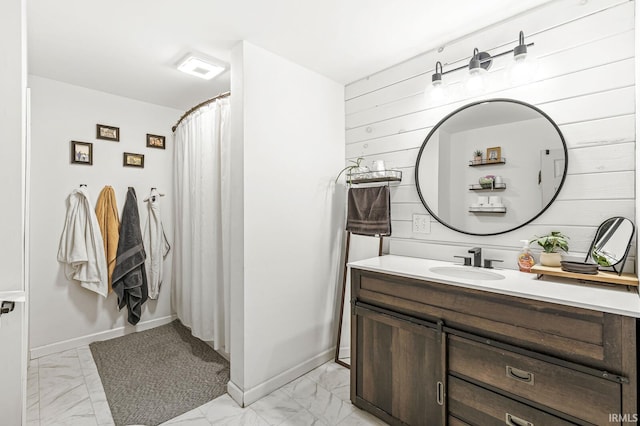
x,y
440,393
520,375
516,421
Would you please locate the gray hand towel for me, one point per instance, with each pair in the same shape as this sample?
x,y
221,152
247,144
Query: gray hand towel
x,y
369,211
129,275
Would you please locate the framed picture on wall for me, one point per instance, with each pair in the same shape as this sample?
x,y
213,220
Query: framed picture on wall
x,y
494,154
82,153
133,160
109,133
155,141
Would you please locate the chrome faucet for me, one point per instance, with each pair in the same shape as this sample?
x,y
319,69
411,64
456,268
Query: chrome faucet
x,y
477,256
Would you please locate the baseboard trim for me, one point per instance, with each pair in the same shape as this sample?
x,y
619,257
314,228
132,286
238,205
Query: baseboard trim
x,y
248,397
345,352
53,348
235,393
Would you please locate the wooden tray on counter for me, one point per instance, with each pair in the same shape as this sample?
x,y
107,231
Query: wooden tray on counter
x,y
601,276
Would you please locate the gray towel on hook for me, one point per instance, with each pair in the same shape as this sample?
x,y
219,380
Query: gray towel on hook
x,y
369,211
129,275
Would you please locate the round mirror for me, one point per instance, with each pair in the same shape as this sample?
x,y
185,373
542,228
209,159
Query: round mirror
x,y
612,241
491,167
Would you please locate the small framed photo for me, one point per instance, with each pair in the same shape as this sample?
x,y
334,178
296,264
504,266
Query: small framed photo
x,y
133,160
81,153
494,154
155,141
109,133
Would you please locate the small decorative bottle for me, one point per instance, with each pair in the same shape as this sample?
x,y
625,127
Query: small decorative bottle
x,y
525,257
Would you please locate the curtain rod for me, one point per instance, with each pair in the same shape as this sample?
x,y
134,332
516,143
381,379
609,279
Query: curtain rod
x,y
201,104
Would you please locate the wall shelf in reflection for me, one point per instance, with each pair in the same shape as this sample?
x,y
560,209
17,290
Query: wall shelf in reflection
x,y
495,187
375,176
488,209
487,162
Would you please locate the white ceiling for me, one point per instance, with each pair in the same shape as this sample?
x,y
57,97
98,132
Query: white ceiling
x,y
130,47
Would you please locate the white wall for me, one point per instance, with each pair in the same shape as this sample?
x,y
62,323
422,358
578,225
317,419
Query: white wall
x,y
293,146
12,115
585,84
62,313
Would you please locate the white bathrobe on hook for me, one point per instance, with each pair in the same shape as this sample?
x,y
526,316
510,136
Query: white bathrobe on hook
x,y
155,244
81,248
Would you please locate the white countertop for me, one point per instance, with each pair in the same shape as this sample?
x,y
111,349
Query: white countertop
x,y
612,299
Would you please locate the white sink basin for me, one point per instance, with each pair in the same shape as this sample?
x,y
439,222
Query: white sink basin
x,y
469,273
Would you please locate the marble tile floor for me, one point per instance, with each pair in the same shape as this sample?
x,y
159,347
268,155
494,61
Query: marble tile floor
x,y
64,389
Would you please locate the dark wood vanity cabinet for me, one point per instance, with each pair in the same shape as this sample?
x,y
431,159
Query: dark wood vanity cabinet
x,y
425,353
398,365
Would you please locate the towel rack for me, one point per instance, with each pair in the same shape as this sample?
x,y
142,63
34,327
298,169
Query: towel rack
x,y
384,177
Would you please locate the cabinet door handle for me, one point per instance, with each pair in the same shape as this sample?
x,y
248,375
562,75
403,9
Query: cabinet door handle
x,y
440,393
520,375
512,420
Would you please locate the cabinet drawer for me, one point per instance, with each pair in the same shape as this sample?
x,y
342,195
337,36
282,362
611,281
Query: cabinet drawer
x,y
480,407
585,336
569,391
453,421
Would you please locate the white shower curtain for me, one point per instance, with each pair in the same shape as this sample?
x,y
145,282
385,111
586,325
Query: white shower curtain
x,y
202,213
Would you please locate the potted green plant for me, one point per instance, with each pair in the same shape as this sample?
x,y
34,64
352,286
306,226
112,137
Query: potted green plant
x,y
353,168
550,244
477,156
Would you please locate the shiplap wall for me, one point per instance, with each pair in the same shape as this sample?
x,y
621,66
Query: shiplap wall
x,y
585,83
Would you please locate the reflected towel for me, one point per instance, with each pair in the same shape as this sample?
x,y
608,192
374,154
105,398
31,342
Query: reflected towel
x,y
129,275
107,214
369,211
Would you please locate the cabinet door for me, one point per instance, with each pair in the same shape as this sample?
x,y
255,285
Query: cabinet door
x,y
398,368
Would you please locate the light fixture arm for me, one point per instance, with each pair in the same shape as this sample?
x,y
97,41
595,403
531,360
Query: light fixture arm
x,y
488,58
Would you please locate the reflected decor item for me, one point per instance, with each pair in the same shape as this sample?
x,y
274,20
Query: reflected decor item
x,y
610,246
494,154
535,172
477,156
486,182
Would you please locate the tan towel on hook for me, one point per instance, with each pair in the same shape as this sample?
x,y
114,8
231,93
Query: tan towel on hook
x,y
107,214
369,211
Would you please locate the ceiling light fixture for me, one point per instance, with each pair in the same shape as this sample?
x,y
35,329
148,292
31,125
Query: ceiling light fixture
x,y
199,67
478,65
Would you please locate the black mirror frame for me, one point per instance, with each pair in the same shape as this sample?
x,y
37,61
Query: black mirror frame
x,y
437,126
589,257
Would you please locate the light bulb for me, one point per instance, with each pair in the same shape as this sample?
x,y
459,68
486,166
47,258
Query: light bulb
x,y
522,69
436,92
475,83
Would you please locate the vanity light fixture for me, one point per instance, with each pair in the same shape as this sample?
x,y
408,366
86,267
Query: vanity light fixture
x,y
523,67
478,65
436,90
199,67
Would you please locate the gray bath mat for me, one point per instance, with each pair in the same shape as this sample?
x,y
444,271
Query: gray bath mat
x,y
155,375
